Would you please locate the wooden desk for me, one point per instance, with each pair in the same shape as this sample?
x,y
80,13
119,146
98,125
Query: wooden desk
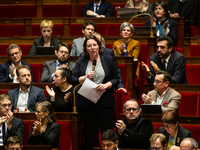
x,y
34,147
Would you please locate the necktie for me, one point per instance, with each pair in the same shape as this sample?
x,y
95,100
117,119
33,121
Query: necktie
x,y
164,68
4,134
97,8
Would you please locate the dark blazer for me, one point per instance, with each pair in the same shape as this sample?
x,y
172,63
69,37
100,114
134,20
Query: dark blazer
x,y
49,67
136,135
172,25
17,129
111,74
182,133
176,66
49,137
40,42
35,95
4,71
189,11
104,9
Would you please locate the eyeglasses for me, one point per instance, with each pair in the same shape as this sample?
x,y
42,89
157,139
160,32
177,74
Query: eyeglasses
x,y
16,53
37,111
44,31
155,148
63,52
129,109
6,105
168,126
157,81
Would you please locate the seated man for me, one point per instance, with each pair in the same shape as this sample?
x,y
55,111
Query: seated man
x,y
13,143
109,140
62,61
184,8
88,28
158,141
9,125
98,8
26,96
8,68
163,94
189,144
135,131
168,60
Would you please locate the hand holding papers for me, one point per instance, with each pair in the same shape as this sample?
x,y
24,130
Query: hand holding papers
x,y
89,91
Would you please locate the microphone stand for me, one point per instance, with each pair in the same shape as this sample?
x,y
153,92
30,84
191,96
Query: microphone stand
x,y
74,108
144,14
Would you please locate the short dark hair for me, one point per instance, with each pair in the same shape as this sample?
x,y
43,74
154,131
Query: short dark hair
x,y
13,140
134,100
94,38
47,106
97,34
20,67
160,136
170,116
109,135
4,96
163,5
170,42
89,22
66,73
65,45
167,75
12,46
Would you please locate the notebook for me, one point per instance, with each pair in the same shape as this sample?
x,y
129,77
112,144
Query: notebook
x,y
151,109
41,50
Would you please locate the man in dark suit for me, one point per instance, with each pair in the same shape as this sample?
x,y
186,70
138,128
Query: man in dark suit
x,y
8,68
168,60
26,96
49,67
88,28
9,125
98,8
184,8
135,131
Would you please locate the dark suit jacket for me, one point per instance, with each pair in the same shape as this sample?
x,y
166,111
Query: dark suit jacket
x,y
49,67
176,66
111,74
35,95
40,42
182,133
4,71
16,130
172,25
136,135
49,137
104,9
189,11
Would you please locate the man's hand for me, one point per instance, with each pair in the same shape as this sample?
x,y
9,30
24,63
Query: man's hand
x,y
26,110
125,91
147,98
9,121
16,110
3,119
67,96
173,15
146,69
11,70
103,16
64,66
121,126
91,13
155,66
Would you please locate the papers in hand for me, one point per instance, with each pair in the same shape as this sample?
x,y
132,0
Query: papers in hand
x,y
89,91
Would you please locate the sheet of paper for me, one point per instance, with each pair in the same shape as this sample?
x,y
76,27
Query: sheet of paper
x,y
88,90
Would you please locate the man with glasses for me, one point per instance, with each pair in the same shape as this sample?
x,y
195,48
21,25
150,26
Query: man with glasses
x,y
49,67
9,125
26,95
163,94
135,131
189,144
8,68
168,60
158,142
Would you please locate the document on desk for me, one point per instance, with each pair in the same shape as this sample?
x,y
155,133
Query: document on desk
x,y
89,91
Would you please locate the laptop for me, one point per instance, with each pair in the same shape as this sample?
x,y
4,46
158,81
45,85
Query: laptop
x,y
41,50
126,12
151,109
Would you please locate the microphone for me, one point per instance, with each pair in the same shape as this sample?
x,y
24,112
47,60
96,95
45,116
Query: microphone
x,y
94,64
